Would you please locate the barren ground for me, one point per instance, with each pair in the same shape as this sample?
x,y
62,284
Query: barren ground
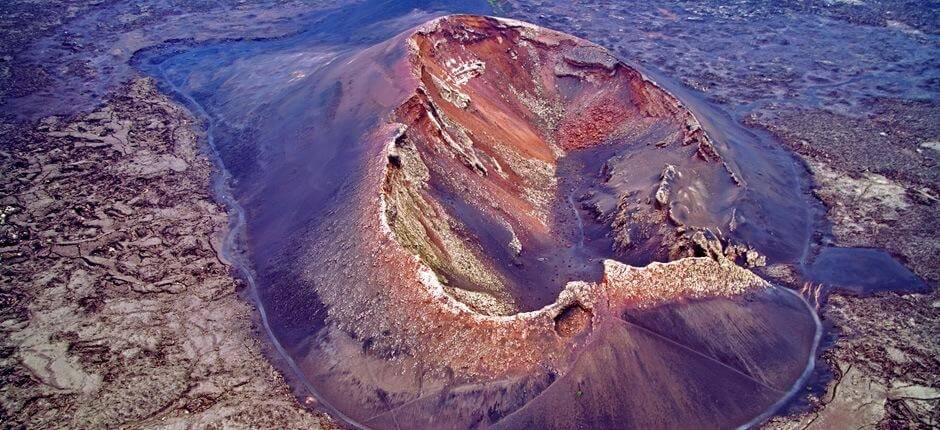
x,y
116,309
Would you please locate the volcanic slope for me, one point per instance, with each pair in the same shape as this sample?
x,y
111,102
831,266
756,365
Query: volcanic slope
x,y
471,270
482,223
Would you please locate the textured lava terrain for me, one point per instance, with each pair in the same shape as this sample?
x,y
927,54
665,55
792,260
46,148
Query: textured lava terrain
x,y
474,223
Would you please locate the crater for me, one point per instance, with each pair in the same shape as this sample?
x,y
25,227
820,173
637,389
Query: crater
x,y
527,157
468,223
550,220
573,320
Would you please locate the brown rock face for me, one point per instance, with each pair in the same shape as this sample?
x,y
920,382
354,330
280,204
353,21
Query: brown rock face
x,y
470,278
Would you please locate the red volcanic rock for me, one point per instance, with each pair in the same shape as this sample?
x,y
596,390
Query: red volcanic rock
x,y
464,287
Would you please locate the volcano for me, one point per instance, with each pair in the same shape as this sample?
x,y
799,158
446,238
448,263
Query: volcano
x,y
484,223
530,234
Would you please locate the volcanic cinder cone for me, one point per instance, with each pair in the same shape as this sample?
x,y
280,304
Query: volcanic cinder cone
x,y
472,270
